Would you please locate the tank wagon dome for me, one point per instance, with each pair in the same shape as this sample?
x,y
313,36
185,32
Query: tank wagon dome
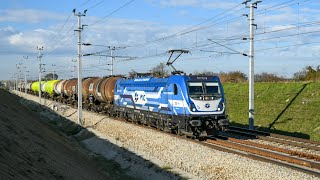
x,y
49,85
103,90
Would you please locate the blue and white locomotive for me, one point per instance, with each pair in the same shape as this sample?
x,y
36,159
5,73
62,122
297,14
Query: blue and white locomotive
x,y
190,105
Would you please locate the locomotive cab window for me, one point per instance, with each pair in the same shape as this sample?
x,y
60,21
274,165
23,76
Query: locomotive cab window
x,y
204,90
195,88
212,87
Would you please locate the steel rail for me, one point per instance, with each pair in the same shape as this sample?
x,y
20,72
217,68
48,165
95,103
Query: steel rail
x,y
303,143
265,153
273,148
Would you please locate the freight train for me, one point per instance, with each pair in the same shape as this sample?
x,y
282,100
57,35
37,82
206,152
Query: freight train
x,y
186,105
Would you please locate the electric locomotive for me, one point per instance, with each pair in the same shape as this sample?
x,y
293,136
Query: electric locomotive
x,y
190,105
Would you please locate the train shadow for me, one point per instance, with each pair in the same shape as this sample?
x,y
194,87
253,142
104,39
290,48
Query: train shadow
x,y
109,153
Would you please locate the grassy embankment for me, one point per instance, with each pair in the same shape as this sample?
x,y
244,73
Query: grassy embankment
x,y
291,108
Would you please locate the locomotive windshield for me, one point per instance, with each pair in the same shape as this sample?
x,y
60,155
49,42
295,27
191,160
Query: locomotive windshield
x,y
211,87
195,88
204,90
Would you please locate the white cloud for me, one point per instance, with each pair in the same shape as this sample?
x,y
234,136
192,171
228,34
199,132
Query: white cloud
x,y
215,4
183,13
28,16
132,32
174,3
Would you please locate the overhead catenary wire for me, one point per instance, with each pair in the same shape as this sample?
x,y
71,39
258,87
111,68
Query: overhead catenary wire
x,y
276,37
306,24
271,8
219,41
197,24
113,12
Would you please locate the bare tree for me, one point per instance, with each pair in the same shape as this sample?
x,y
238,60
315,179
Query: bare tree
x,y
50,76
132,74
160,70
268,77
233,76
205,73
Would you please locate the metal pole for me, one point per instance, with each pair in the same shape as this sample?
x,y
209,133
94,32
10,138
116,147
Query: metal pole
x,y
251,67
112,59
74,67
80,28
39,58
53,71
20,78
79,73
16,87
25,73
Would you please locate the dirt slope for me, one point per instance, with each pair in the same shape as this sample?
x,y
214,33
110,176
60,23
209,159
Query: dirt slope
x,y
31,149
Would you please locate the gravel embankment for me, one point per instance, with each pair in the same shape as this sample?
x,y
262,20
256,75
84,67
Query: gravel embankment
x,y
195,159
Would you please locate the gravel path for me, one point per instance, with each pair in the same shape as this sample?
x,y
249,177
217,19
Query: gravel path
x,y
198,160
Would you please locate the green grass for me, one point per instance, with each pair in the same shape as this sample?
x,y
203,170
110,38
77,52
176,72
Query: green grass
x,y
294,105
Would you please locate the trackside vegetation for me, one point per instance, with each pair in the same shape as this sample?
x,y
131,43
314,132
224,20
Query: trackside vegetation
x,y
291,108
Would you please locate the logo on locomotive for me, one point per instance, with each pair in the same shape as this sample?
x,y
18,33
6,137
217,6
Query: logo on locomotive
x,y
139,97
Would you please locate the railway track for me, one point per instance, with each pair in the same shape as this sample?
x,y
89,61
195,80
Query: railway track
x,y
277,138
300,161
304,162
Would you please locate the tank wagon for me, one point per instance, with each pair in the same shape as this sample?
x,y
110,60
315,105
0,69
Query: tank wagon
x,y
103,94
48,88
70,91
87,92
58,90
35,87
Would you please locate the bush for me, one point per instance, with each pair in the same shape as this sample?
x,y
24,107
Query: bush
x,y
268,77
234,76
308,74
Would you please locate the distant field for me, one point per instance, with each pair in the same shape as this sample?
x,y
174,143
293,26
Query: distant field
x,y
291,107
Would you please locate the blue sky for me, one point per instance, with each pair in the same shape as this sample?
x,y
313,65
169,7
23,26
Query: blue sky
x,y
287,35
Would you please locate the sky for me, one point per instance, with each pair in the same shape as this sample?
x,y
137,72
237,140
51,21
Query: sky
x,y
286,36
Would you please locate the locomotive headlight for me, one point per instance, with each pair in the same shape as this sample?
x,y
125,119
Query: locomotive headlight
x,y
220,107
192,107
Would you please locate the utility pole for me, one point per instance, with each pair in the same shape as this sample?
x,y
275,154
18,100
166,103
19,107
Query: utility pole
x,y
25,73
19,78
74,67
251,64
113,48
16,87
80,28
53,65
39,58
112,58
